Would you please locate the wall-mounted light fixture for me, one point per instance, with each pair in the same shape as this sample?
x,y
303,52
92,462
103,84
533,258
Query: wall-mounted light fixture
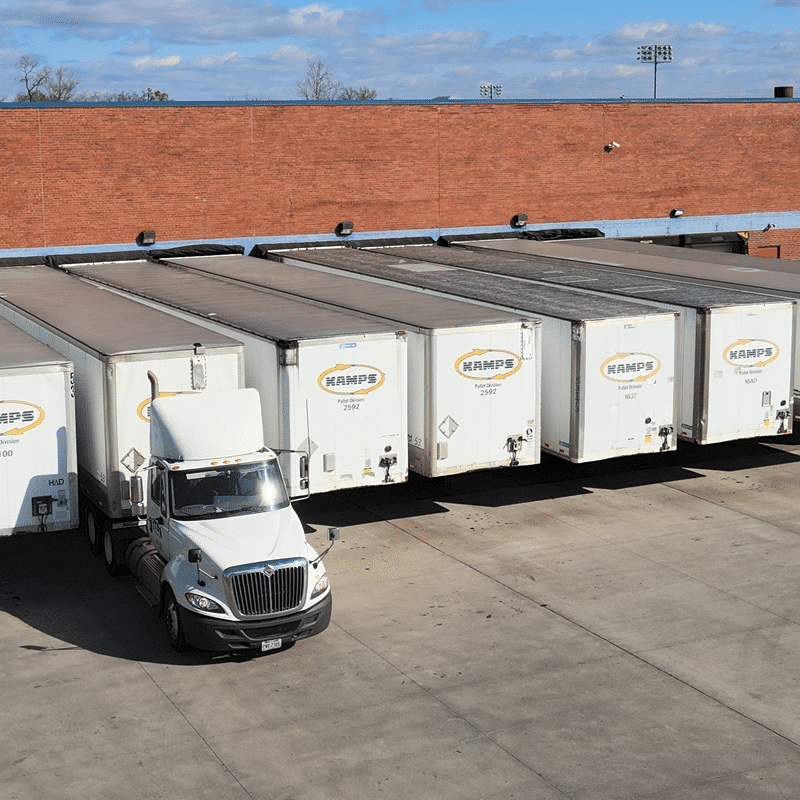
x,y
610,146
343,229
519,221
146,238
676,212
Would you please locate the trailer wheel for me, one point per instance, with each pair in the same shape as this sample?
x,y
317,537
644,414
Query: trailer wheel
x,y
93,527
109,551
172,622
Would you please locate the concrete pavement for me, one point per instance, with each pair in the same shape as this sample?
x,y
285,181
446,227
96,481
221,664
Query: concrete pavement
x,y
621,630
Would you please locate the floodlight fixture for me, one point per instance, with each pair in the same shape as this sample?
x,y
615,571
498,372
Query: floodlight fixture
x,y
654,54
491,90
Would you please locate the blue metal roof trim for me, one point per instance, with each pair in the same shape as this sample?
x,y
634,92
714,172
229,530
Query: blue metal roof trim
x,y
612,228
432,102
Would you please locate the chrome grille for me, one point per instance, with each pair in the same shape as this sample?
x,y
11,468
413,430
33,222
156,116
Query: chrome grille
x,y
273,587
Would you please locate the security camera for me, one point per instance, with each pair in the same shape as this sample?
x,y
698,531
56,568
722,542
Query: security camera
x,y
609,147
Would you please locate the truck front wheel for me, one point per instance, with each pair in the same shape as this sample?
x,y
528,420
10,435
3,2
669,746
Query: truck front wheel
x,y
172,622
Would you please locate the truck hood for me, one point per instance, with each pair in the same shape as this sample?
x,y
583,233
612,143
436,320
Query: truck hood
x,y
244,539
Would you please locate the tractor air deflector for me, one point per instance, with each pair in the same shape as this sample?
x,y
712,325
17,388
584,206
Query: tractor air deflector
x,y
197,427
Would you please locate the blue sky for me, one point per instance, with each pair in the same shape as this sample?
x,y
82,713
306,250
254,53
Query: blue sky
x,y
407,49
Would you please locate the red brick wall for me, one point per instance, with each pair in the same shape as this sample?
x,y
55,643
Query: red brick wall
x,y
778,243
80,176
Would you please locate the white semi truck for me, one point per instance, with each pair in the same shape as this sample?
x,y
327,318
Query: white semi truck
x,y
225,556
215,541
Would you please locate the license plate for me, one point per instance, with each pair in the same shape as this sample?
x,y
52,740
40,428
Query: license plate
x,y
271,644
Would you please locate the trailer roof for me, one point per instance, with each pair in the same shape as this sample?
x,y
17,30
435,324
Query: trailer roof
x,y
520,258
96,318
519,295
256,311
404,306
20,349
695,267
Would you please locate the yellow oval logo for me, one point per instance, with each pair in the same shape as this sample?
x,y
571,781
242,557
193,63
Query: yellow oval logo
x,y
19,416
628,367
351,379
488,365
143,409
751,353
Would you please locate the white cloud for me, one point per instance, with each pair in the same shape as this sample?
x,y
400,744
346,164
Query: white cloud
x,y
200,22
151,63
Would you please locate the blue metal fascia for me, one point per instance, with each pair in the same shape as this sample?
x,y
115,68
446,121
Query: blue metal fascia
x,y
612,228
431,102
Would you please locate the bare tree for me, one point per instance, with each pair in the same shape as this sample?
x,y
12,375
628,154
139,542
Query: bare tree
x,y
319,83
154,95
151,95
61,85
32,77
351,93
43,84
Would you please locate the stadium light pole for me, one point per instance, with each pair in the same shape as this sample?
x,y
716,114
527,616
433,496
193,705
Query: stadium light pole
x,y
491,90
657,54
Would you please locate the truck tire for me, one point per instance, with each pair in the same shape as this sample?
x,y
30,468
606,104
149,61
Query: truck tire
x,y
172,622
110,551
93,522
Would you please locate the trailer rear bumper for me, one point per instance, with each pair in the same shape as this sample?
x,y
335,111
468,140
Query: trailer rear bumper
x,y
208,633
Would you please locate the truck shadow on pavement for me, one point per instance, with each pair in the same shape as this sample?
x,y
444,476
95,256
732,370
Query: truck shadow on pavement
x,y
55,596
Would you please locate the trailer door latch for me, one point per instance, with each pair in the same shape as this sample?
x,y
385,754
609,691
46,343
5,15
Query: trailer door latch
x,y
514,445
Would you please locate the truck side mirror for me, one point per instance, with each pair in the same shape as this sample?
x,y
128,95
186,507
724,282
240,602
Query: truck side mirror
x,y
195,555
333,536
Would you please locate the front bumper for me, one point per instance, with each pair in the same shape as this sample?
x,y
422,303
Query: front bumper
x,y
208,633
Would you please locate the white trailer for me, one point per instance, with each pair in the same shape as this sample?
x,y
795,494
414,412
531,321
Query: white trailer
x,y
738,360
112,343
333,385
473,372
746,273
609,383
38,463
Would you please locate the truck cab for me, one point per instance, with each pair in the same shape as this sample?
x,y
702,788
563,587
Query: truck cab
x,y
225,556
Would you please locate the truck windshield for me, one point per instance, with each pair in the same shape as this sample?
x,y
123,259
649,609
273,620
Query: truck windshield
x,y
240,489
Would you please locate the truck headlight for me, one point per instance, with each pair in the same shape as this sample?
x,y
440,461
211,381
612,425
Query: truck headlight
x,y
202,603
320,586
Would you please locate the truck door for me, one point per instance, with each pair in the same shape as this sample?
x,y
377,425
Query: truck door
x,y
157,519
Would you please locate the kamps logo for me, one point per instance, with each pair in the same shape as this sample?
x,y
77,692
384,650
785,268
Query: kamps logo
x,y
351,379
484,365
19,416
627,367
751,353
